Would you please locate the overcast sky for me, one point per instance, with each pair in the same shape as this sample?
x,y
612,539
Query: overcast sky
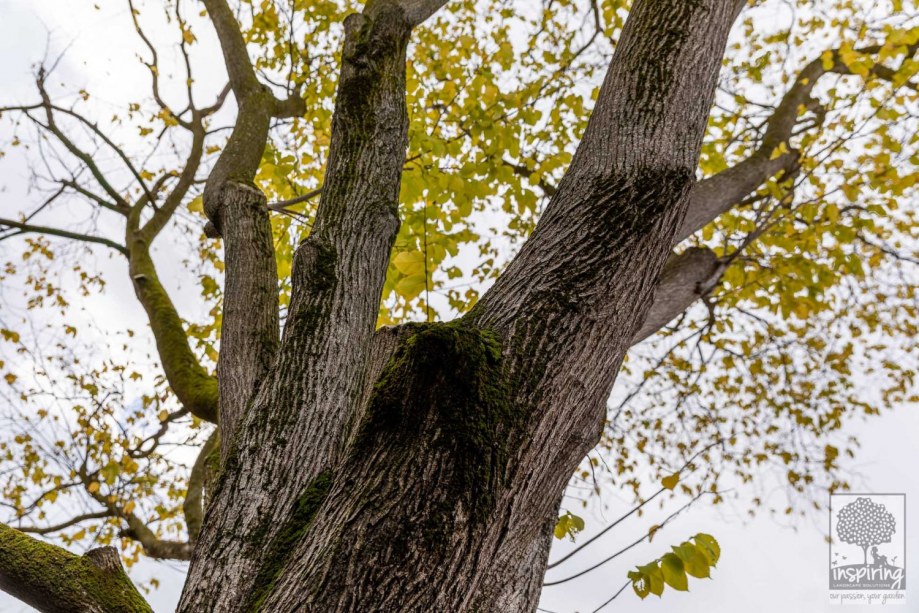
x,y
767,566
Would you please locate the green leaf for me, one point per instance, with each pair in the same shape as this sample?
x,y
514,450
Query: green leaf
x,y
654,577
410,287
708,546
409,262
674,572
694,561
640,583
568,525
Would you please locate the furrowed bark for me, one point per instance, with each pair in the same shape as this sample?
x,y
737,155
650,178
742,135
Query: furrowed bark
x,y
474,427
689,275
300,417
237,209
52,579
555,302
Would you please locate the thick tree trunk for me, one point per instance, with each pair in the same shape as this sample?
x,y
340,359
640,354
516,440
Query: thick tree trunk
x,y
421,469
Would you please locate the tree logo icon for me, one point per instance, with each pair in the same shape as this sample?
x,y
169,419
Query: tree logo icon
x,y
865,523
873,524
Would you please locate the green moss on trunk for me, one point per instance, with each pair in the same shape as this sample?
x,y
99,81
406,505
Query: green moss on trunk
x,y
445,386
284,543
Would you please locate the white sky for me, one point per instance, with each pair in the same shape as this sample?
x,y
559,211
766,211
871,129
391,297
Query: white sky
x,y
766,566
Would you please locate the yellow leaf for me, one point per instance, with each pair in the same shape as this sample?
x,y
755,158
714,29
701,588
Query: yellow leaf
x,y
409,262
779,151
671,481
409,287
93,487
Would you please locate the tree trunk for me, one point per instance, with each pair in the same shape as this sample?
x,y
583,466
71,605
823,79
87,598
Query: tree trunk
x,y
421,468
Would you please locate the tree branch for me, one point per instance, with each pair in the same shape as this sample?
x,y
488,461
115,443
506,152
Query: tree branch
x,y
52,579
86,238
235,56
716,195
689,276
162,215
137,529
194,503
685,278
76,519
419,11
193,386
238,212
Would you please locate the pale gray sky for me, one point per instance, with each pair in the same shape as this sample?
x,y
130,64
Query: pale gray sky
x,y
766,565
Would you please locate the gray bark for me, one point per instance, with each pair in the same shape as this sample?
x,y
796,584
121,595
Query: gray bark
x,y
335,493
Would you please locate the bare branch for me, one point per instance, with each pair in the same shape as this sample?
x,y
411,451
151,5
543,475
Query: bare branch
x,y
102,136
218,103
24,227
235,56
186,180
76,519
283,204
635,543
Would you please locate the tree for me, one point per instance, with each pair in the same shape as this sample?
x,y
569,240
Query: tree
x,y
865,523
351,455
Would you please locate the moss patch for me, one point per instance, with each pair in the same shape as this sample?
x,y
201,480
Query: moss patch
x,y
285,541
445,386
52,578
